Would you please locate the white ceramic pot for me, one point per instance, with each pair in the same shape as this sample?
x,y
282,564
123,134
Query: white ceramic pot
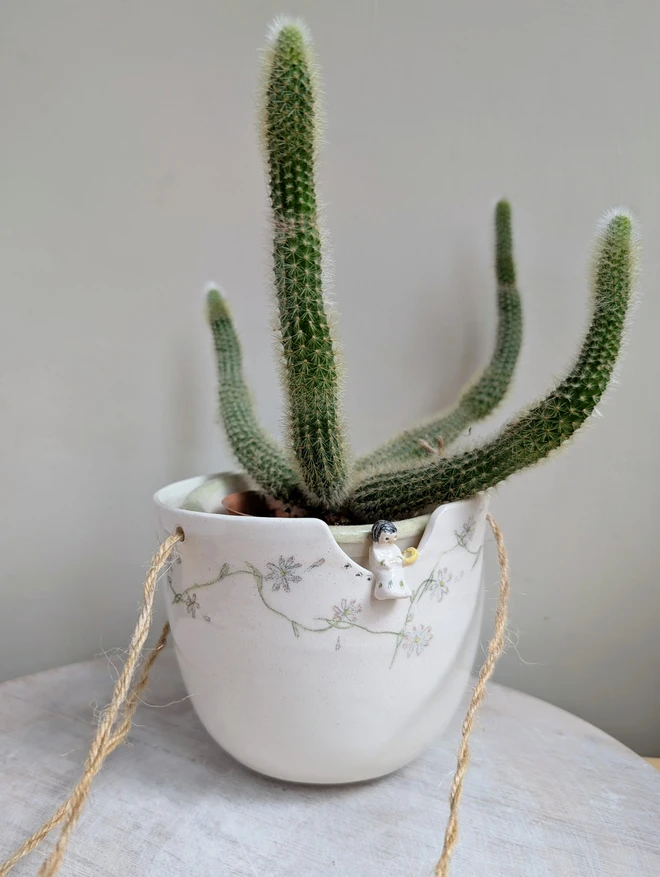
x,y
291,664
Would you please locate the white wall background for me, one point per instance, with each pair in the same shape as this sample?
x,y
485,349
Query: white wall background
x,y
130,176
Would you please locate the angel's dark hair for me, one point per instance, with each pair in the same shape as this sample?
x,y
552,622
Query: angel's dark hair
x,y
381,527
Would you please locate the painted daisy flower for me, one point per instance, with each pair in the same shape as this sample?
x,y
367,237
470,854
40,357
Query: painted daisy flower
x,y
282,574
441,586
467,531
192,605
417,639
347,611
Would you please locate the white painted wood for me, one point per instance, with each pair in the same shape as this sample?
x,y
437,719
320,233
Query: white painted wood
x,y
547,795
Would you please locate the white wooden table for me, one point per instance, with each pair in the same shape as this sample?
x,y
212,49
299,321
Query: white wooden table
x,y
547,795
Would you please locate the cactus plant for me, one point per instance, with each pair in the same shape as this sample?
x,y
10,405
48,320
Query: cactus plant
x,y
479,400
290,132
255,450
416,469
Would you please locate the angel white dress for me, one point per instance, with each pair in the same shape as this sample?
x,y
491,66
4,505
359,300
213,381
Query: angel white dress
x,y
386,563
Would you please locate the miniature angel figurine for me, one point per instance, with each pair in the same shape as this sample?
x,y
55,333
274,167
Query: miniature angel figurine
x,y
386,562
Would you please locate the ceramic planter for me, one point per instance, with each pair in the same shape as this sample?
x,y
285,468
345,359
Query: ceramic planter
x,y
292,665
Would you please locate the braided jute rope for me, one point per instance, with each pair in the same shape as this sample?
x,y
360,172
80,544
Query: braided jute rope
x,y
495,648
131,703
115,723
107,736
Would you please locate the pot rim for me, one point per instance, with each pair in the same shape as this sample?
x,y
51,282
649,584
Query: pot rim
x,y
342,533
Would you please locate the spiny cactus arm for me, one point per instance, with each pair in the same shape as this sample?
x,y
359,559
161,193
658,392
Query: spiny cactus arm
x,y
310,370
531,436
481,398
254,449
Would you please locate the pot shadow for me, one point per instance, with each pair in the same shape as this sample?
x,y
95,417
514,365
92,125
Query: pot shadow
x,y
339,790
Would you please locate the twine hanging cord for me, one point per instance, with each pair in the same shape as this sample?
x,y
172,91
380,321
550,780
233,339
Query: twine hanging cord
x,y
116,720
112,728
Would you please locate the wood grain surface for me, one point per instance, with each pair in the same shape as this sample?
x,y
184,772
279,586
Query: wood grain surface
x,y
547,795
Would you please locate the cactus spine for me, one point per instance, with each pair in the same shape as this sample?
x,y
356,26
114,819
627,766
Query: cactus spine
x,y
532,435
401,478
480,399
255,450
290,133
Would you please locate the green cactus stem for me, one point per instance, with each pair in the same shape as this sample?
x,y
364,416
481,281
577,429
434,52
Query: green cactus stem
x,y
532,435
401,478
290,135
255,450
483,396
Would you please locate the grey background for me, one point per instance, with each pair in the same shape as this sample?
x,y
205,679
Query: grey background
x,y
131,176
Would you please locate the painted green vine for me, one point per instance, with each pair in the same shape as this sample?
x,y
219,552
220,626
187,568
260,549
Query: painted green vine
x,y
411,638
